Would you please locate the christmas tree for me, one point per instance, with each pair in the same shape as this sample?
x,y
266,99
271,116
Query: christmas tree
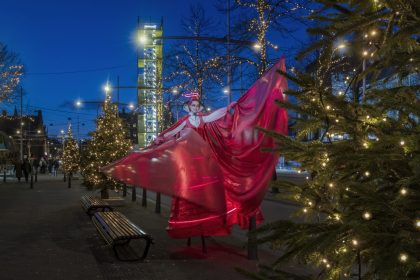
x,y
71,157
109,143
360,98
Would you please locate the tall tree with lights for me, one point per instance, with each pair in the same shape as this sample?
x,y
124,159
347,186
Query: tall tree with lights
x,y
196,65
109,143
361,200
71,156
11,70
258,17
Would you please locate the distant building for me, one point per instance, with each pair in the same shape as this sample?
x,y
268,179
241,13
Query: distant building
x,y
29,129
130,122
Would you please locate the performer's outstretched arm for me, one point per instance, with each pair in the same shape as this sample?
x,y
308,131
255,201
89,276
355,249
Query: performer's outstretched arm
x,y
174,131
218,113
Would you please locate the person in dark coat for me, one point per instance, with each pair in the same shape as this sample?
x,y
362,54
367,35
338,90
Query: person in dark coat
x,y
18,169
26,168
36,165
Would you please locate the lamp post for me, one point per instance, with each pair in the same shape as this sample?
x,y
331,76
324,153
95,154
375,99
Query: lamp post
x,y
78,104
21,124
62,153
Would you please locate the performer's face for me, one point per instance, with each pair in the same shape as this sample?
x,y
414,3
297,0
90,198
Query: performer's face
x,y
194,106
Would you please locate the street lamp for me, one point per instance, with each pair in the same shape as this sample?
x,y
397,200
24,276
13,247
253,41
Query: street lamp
x,y
107,88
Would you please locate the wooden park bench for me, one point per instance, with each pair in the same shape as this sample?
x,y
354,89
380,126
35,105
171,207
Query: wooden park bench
x,y
92,204
118,231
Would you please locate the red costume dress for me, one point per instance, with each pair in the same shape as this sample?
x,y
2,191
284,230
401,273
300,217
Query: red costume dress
x,y
189,219
216,170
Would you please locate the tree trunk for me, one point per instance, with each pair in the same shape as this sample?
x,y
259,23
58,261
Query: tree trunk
x,y
104,193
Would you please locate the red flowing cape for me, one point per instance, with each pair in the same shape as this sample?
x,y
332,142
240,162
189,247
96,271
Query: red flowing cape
x,y
225,164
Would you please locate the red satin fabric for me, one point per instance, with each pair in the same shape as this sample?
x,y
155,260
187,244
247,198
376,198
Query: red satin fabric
x,y
216,172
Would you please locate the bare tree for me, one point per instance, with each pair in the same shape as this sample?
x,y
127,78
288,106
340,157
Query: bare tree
x,y
253,20
196,65
10,72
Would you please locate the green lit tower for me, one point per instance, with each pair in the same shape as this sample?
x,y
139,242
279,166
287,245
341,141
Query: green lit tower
x,y
149,82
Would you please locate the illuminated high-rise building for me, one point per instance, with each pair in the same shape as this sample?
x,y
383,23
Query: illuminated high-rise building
x,y
149,82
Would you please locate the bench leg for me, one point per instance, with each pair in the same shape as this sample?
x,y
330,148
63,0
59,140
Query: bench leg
x,y
146,249
125,243
203,244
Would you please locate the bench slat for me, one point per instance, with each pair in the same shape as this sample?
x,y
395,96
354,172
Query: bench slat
x,y
120,225
92,204
118,230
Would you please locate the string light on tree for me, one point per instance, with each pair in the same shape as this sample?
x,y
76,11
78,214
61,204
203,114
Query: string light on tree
x,y
403,257
374,166
367,215
107,145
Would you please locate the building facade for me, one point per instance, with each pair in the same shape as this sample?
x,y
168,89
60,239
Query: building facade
x,y
28,130
149,83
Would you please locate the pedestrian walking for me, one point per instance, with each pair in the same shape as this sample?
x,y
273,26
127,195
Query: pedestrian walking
x,y
36,165
56,165
26,168
18,169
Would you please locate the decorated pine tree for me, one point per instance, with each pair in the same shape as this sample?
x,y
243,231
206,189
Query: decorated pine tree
x,y
71,156
358,139
109,143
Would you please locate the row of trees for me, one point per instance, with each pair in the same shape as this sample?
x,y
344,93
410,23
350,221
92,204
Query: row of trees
x,y
108,143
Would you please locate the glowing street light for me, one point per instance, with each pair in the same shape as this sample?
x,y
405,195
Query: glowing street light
x,y
107,88
143,39
131,106
78,103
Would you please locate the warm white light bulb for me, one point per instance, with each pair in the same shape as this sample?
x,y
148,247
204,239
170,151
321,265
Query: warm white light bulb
x,y
402,143
355,242
403,257
367,173
367,215
403,191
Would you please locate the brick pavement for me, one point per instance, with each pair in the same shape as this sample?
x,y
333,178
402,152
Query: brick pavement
x,y
46,235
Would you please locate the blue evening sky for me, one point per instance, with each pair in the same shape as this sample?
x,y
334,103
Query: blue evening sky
x,y
71,48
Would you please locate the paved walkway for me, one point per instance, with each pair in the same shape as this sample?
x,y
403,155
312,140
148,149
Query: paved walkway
x,y
46,235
